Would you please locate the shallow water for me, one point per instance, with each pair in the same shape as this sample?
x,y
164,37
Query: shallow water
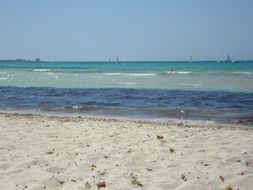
x,y
137,103
208,76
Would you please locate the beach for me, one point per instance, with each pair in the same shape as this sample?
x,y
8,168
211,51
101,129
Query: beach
x,y
61,152
149,95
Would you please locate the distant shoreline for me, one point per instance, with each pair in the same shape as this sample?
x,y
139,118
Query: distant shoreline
x,y
138,61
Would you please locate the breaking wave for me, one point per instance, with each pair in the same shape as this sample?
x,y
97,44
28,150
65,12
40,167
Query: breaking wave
x,y
179,72
242,73
132,74
41,70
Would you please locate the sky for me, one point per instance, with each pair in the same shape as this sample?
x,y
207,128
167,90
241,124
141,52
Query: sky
x,y
96,30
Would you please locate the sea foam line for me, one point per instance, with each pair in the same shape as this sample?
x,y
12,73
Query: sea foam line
x,y
129,83
242,73
193,85
179,72
131,74
41,70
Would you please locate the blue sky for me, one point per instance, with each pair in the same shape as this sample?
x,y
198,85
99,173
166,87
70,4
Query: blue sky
x,y
131,29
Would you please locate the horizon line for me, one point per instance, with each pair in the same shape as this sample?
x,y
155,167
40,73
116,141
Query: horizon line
x,y
113,61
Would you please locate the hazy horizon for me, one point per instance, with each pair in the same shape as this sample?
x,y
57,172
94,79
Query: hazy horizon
x,y
134,31
113,60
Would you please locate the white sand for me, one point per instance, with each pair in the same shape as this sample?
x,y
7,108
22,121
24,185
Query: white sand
x,y
40,152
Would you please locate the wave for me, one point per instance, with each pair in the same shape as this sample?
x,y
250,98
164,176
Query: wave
x,y
76,107
179,72
41,70
114,73
129,83
3,78
131,74
242,73
193,85
142,74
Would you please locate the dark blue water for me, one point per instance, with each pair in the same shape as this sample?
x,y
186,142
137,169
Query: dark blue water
x,y
137,103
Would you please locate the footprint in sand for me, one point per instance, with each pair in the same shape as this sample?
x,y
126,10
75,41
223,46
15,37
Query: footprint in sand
x,y
5,166
53,183
13,172
136,159
56,170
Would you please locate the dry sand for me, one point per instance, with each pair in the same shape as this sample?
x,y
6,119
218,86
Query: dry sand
x,y
42,152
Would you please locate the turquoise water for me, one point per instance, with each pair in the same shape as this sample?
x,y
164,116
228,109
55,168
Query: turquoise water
x,y
210,76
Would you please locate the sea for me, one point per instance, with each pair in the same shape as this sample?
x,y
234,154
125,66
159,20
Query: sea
x,y
197,90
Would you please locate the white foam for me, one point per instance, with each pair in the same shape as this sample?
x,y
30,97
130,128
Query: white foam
x,y
3,78
194,84
141,74
179,72
41,70
132,74
242,73
114,73
76,107
129,83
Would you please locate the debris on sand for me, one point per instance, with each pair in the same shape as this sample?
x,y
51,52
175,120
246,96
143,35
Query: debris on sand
x,y
135,182
87,185
183,177
159,137
222,178
101,184
93,166
229,188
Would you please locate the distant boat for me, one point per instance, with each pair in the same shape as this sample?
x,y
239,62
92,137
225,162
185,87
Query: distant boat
x,y
235,61
228,59
117,60
232,60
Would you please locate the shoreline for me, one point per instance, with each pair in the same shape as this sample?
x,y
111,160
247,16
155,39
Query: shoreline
x,y
164,122
52,152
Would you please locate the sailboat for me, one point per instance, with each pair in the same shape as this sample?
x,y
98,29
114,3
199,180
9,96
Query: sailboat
x,y
228,59
232,60
117,60
190,59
